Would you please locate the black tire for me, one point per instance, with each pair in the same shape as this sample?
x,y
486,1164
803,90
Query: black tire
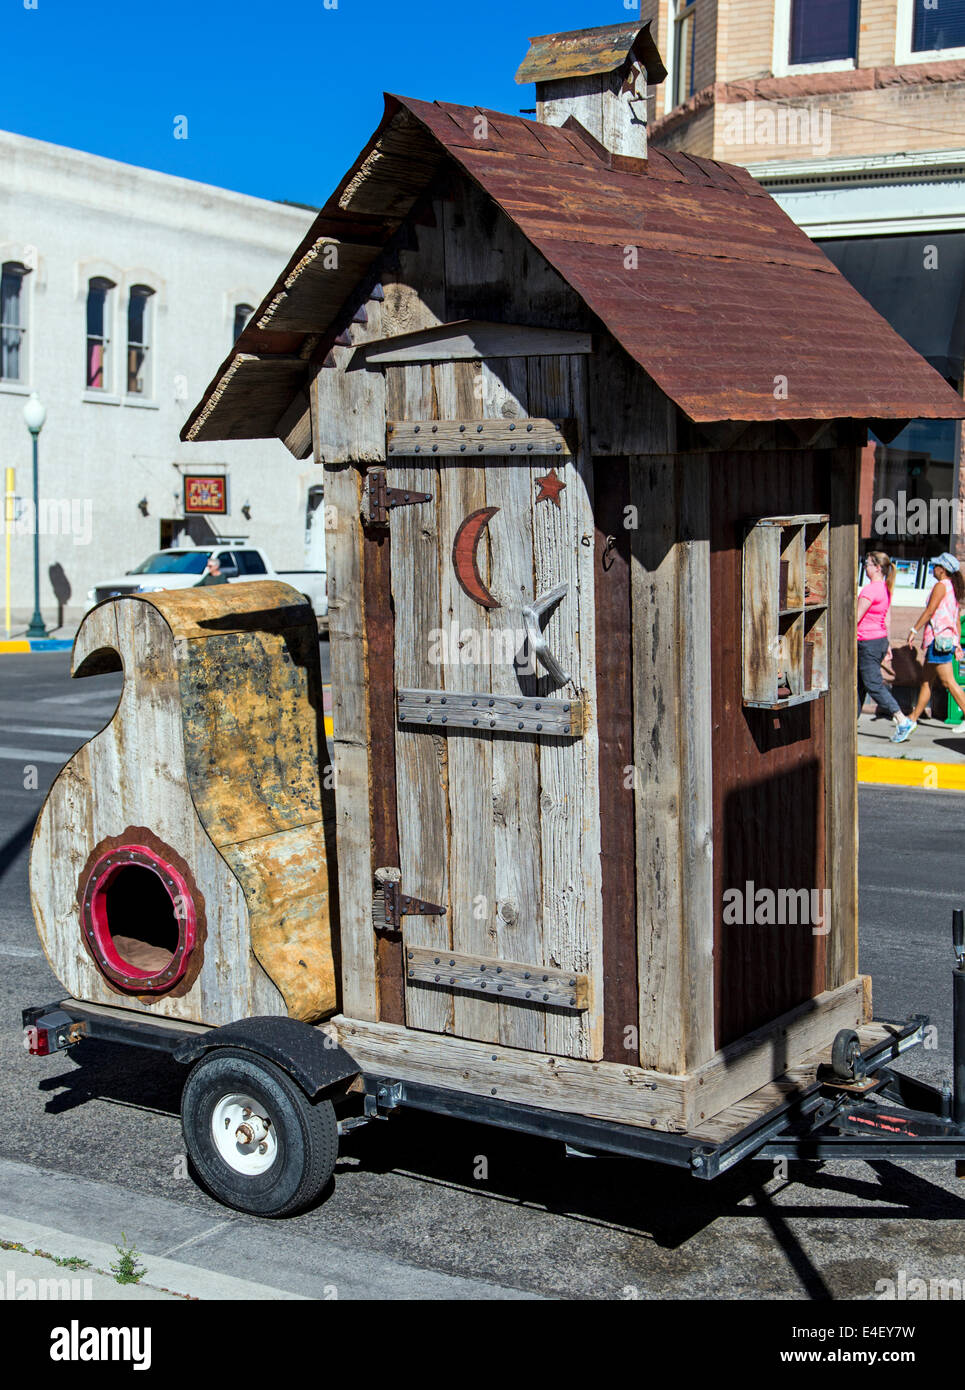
x,y
305,1134
846,1055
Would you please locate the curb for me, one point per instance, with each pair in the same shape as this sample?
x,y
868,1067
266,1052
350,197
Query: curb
x,y
36,644
162,1278
912,772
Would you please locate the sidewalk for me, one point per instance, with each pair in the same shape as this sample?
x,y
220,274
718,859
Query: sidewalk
x,y
59,639
932,758
194,1251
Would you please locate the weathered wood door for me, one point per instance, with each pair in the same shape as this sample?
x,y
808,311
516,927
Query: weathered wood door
x,y
498,825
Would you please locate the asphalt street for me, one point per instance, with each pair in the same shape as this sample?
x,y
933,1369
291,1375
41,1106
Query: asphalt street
x,y
406,1190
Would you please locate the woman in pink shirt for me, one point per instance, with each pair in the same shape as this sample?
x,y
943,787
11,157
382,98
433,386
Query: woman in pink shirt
x,y
941,621
874,603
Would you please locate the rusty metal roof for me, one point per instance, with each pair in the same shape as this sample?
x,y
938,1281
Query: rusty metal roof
x,y
582,52
730,308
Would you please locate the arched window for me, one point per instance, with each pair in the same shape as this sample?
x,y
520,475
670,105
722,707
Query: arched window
x,y
243,313
138,340
98,333
13,322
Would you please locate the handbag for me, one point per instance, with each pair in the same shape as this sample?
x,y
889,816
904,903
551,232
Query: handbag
x,y
944,643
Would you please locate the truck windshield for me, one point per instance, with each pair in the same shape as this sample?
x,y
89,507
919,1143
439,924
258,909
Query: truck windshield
x,y
174,562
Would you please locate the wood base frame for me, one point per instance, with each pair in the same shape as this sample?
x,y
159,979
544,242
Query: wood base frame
x,y
606,1090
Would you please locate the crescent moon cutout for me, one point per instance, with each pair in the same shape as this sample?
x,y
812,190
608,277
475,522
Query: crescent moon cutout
x,y
465,557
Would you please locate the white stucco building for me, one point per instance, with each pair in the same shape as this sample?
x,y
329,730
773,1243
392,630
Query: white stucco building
x,y
122,292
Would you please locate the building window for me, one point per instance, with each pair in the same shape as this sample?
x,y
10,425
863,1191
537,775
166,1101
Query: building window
x,y
824,31
685,29
13,322
98,333
243,313
138,340
938,26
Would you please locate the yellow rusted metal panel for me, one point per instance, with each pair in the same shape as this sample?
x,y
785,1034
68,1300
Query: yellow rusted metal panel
x,y
582,52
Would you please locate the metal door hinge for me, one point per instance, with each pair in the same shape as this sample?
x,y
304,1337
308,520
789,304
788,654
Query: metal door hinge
x,y
399,905
382,498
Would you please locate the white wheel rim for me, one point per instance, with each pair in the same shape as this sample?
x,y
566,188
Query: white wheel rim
x,y
244,1135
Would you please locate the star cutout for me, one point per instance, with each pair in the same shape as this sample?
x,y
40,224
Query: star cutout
x,y
550,487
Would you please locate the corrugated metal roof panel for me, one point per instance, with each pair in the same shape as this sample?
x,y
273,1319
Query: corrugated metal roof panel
x,y
727,299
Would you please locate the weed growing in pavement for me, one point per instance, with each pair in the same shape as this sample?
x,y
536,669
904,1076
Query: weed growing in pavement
x,y
127,1269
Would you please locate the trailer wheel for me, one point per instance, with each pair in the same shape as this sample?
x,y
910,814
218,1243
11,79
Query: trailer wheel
x,y
846,1054
256,1140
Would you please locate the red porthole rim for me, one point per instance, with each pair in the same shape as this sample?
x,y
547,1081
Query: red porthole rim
x,y
96,928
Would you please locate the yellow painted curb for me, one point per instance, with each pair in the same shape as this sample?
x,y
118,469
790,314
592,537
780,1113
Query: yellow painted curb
x,y
15,646
907,772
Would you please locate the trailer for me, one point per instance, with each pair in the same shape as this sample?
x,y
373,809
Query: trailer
x,y
590,419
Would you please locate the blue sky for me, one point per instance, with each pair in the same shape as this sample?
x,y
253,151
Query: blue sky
x,y
279,96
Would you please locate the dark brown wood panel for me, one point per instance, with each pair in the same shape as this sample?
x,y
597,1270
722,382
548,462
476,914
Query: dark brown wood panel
x,y
380,640
769,768
615,720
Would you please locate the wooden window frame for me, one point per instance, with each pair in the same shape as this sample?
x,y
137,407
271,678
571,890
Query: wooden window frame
x,y
785,620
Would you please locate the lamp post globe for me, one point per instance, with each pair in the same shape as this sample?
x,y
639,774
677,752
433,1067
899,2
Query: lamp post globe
x,y
34,415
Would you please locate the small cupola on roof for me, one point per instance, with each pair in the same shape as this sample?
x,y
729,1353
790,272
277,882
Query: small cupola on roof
x,y
599,77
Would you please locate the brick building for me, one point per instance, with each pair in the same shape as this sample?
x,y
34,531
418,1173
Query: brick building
x,y
852,114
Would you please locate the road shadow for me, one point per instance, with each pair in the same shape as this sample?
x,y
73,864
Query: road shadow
x,y
664,1205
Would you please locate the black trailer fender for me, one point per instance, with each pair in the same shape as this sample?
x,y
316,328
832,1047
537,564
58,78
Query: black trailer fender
x,y
309,1056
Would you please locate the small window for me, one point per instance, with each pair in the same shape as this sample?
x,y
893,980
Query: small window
x,y
685,29
98,334
785,611
824,31
13,322
138,340
938,26
243,313
227,561
250,562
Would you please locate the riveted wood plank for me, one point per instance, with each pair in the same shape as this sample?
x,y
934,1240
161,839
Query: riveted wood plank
x,y
499,980
479,437
441,710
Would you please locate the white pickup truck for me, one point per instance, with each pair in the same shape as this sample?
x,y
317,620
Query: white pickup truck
x,y
180,568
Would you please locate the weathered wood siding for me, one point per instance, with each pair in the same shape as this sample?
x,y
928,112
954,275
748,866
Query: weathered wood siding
x,y
771,769
213,751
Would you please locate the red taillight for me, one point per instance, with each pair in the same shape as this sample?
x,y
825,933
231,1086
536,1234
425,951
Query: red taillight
x,y
36,1041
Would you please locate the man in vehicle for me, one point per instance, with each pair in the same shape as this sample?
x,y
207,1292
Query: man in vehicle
x,y
212,573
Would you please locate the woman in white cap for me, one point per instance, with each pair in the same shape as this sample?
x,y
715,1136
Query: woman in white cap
x,y
941,638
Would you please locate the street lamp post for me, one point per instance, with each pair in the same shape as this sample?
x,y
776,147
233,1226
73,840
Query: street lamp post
x,y
34,414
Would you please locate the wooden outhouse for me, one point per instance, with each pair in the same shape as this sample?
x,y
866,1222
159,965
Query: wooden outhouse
x,y
589,419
